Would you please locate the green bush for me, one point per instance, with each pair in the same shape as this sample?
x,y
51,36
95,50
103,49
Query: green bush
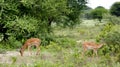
x,y
111,36
113,19
13,43
66,42
2,51
54,47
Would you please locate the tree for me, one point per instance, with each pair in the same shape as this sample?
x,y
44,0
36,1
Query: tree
x,y
98,13
87,12
115,9
35,17
62,12
8,13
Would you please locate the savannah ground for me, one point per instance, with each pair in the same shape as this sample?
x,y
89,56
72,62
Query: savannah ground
x,y
69,54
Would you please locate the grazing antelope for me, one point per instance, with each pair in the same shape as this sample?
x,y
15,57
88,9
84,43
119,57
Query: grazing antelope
x,y
31,42
91,45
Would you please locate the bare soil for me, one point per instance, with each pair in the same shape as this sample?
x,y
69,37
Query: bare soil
x,y
11,57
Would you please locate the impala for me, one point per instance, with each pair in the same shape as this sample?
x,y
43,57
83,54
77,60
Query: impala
x,y
91,45
31,42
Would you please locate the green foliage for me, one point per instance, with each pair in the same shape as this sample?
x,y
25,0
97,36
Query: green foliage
x,y
87,12
23,19
113,19
54,47
13,43
22,27
98,13
115,9
75,6
118,58
65,42
2,51
105,30
110,35
113,38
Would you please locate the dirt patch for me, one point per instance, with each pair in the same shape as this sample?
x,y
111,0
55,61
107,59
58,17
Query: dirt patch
x,y
11,57
6,57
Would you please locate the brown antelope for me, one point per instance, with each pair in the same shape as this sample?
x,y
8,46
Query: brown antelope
x,y
91,45
31,42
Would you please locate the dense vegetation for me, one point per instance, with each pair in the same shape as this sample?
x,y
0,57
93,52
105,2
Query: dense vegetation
x,y
98,13
23,19
115,8
59,24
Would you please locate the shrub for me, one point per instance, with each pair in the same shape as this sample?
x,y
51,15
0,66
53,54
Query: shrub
x,y
113,19
2,51
13,43
111,36
66,42
54,46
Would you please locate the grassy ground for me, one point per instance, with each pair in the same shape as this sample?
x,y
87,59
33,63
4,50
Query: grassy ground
x,y
69,54
56,56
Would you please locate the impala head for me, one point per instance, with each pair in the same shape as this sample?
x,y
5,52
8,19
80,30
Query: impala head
x,y
101,45
22,50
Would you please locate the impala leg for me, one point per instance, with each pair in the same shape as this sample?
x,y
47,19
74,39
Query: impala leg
x,y
38,50
84,50
29,50
95,51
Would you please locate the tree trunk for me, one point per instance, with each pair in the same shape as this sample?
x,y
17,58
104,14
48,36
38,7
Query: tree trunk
x,y
49,29
3,31
49,24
